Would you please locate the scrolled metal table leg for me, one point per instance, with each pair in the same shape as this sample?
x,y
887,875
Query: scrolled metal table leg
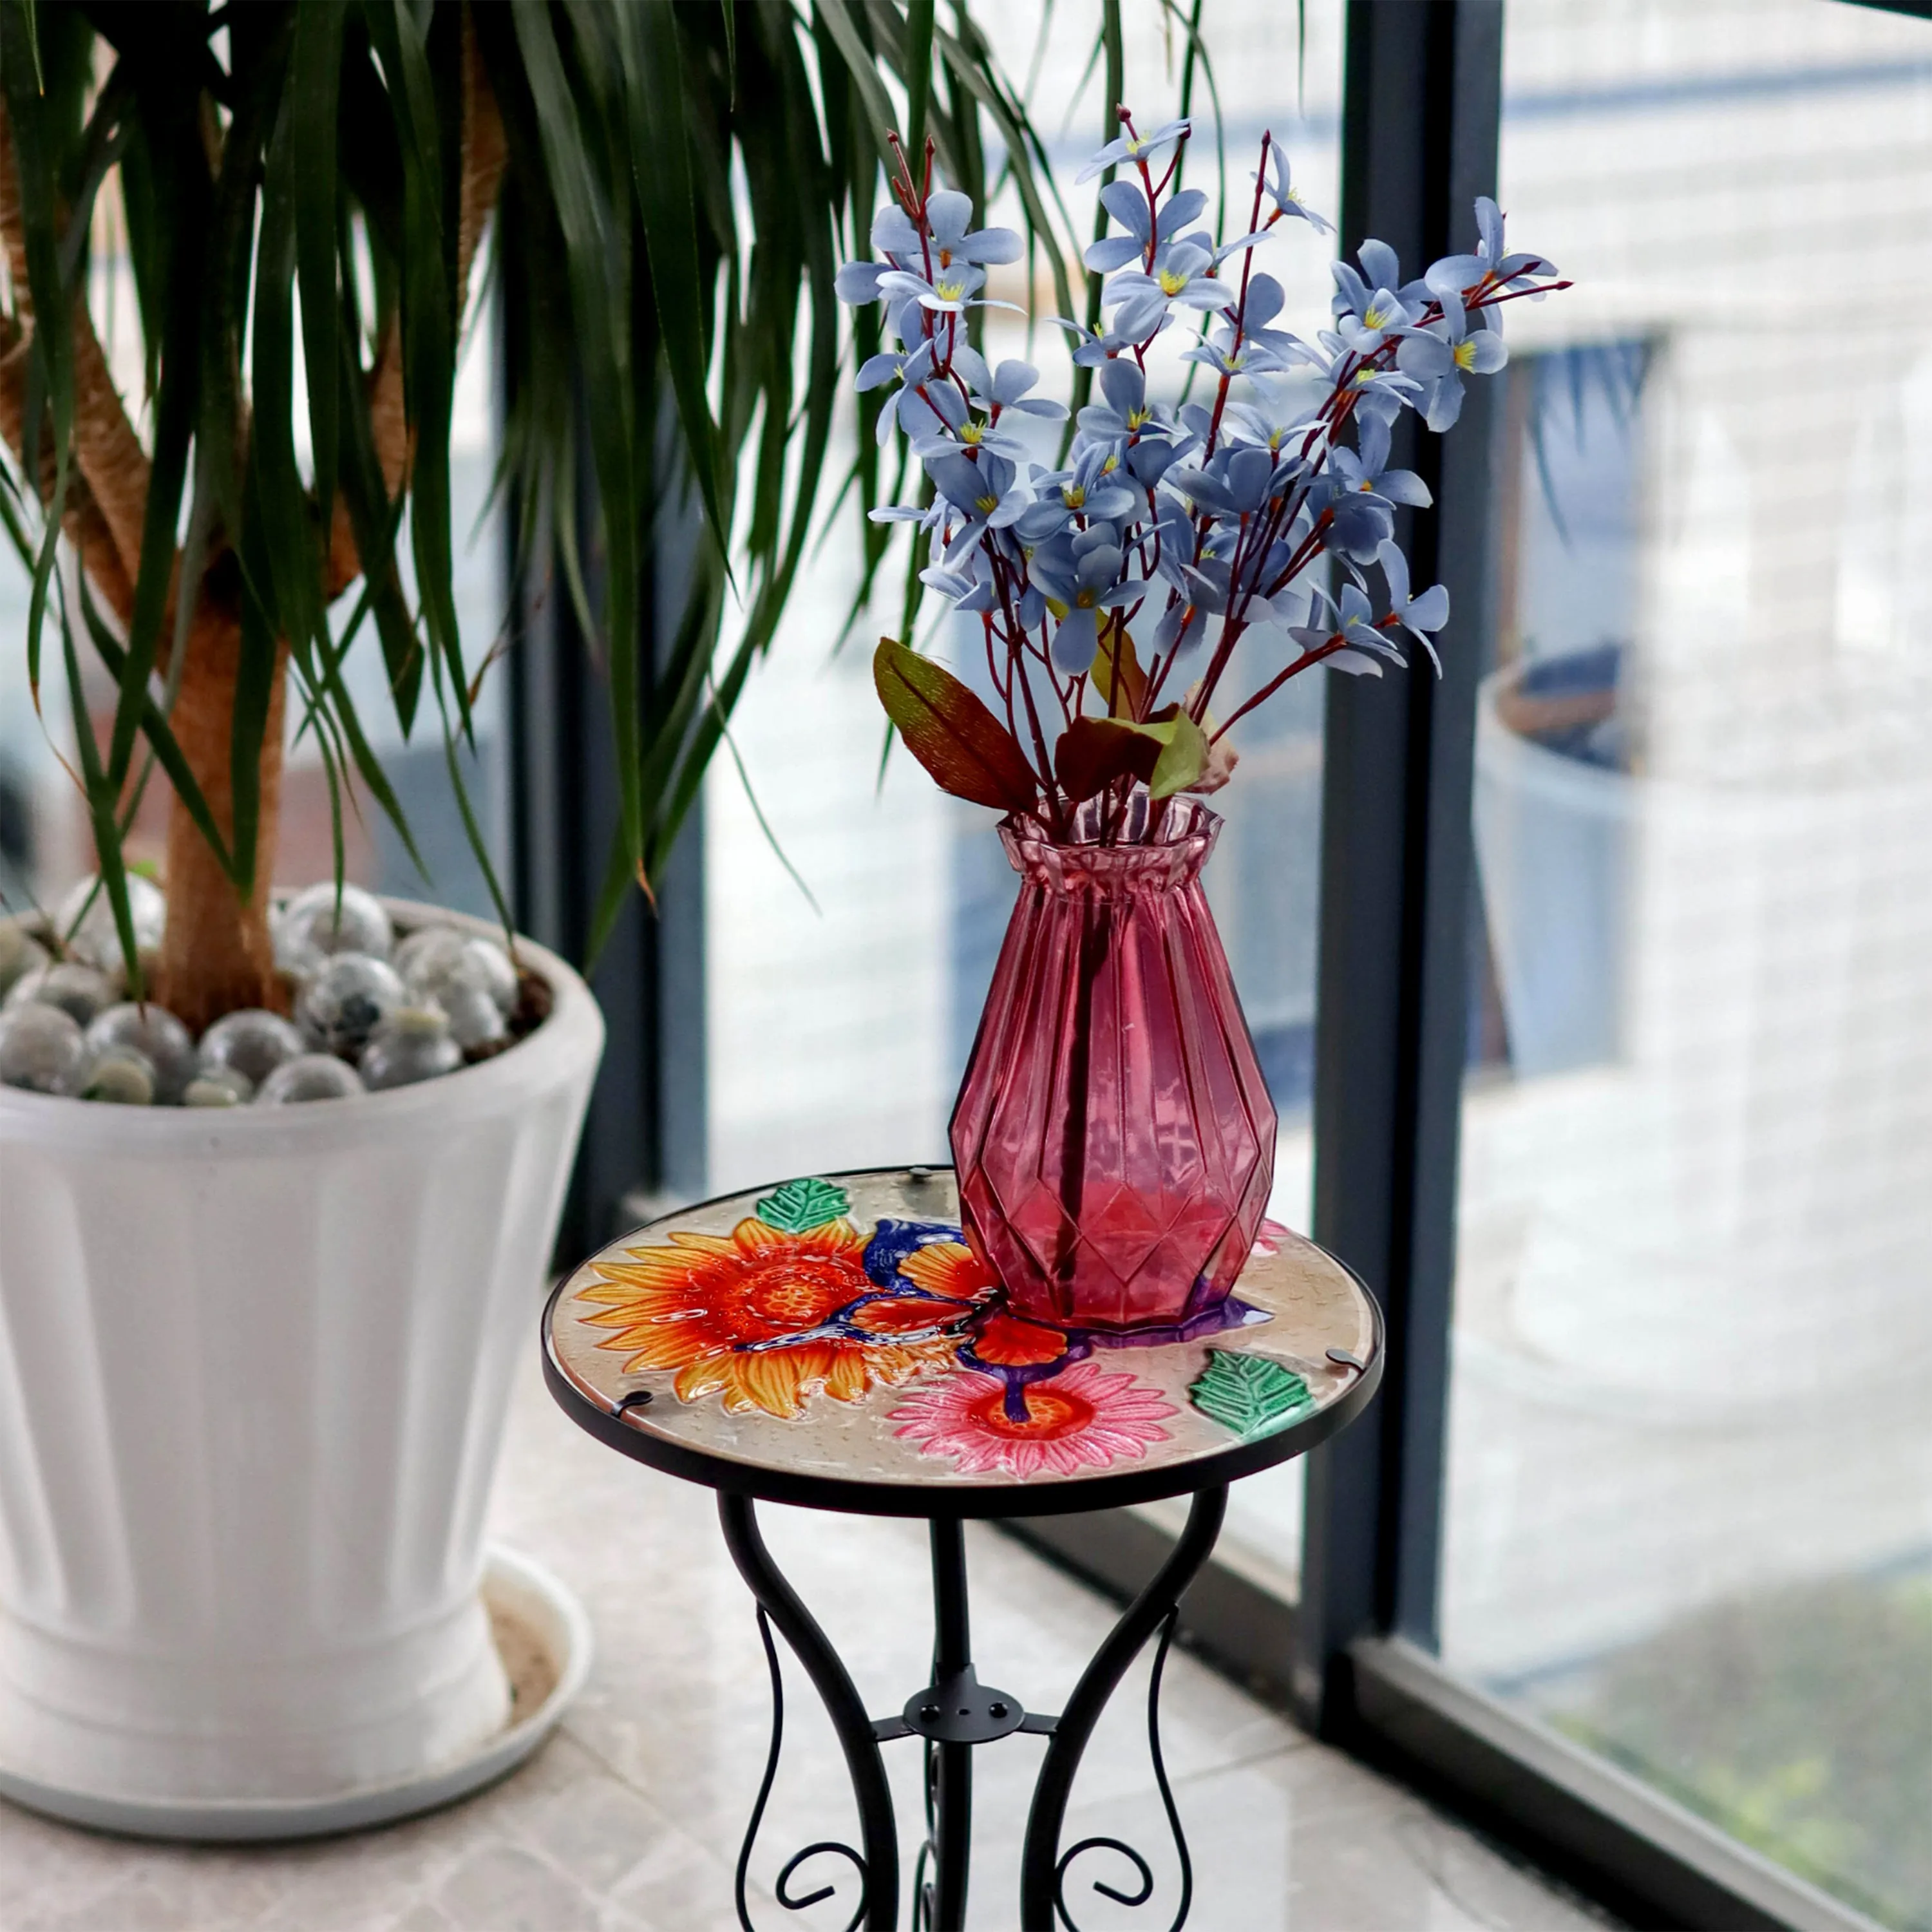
x,y
1043,1868
878,1910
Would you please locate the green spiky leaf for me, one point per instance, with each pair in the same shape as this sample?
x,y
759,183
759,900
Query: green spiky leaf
x,y
800,1205
1249,1394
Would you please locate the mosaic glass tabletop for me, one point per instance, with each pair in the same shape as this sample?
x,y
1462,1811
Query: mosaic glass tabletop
x,y
834,1341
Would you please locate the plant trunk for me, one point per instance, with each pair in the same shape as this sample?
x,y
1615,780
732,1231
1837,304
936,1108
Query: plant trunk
x,y
218,955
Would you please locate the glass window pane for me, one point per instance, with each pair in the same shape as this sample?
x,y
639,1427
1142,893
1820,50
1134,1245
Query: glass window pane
x,y
838,1030
1690,1488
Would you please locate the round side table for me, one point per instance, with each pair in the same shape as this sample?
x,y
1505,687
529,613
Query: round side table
x,y
831,1343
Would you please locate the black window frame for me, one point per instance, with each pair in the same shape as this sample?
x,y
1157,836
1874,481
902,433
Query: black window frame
x,y
1351,1659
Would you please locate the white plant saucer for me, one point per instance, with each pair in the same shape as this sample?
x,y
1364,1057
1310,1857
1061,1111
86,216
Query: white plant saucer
x,y
530,1609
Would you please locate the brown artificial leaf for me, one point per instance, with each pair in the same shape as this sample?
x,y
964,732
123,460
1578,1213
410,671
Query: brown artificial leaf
x,y
1093,752
968,751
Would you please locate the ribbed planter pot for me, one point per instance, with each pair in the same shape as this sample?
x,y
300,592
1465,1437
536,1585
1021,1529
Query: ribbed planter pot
x,y
254,1366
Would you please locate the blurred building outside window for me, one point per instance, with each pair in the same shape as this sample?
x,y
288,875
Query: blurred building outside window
x,y
1688,1515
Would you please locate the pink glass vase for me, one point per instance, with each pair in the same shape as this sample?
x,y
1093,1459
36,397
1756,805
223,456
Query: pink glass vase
x,y
1114,1137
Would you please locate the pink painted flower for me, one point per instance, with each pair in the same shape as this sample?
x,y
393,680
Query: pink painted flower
x,y
1083,1416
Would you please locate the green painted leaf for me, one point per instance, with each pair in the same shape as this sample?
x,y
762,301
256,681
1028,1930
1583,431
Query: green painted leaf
x,y
1249,1394
800,1205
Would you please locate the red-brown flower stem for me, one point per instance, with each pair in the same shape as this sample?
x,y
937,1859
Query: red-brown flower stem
x,y
1305,552
1241,307
992,663
1301,664
1049,791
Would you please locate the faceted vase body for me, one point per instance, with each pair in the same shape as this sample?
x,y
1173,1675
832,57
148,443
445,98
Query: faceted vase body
x,y
1114,1137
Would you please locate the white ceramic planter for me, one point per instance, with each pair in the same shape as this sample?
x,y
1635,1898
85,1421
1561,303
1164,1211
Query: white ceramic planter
x,y
253,1370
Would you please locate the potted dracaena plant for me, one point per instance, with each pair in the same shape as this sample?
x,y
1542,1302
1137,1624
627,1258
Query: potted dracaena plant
x,y
253,1356
1114,1137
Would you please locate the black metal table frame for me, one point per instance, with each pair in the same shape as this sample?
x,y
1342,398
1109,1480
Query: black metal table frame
x,y
955,1714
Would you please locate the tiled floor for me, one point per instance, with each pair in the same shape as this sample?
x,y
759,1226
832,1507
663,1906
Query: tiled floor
x,y
628,1821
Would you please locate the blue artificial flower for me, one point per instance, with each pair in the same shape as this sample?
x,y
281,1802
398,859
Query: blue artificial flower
x,y
1091,489
858,282
1239,245
984,491
1149,458
1359,524
1286,197
973,433
1384,314
947,212
1509,270
1218,351
1127,412
1380,272
1354,622
1439,357
1045,518
1198,419
910,366
1084,578
1006,387
968,592
925,410
951,584
1182,273
1175,534
877,370
1264,300
1091,351
1418,616
1182,625
896,233
1129,146
1093,537
1288,604
1456,276
949,292
1235,481
1281,430
1208,584
1382,394
1364,469
1126,202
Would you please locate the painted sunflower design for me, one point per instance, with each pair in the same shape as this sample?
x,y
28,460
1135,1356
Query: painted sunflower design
x,y
768,1315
